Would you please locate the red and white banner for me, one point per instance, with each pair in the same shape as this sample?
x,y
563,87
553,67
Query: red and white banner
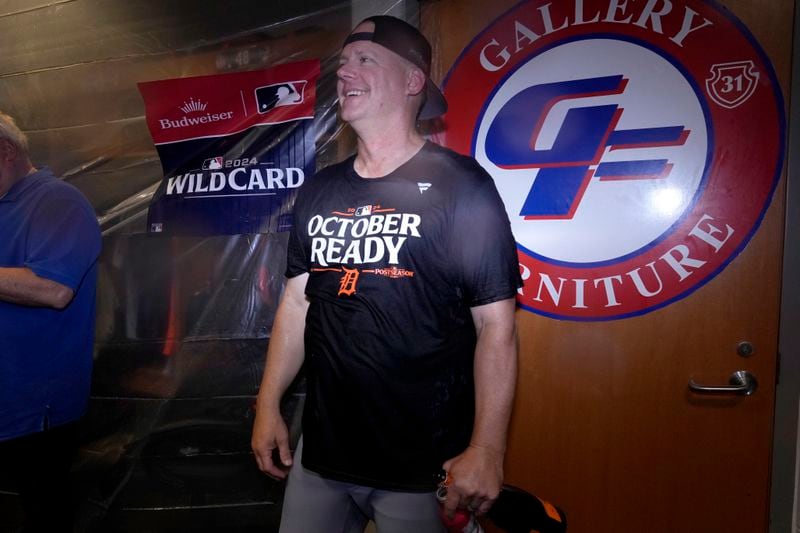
x,y
211,106
234,148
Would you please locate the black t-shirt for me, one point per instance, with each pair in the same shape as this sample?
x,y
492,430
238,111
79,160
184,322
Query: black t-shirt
x,y
395,265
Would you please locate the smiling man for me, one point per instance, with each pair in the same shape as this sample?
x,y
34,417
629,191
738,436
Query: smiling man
x,y
402,276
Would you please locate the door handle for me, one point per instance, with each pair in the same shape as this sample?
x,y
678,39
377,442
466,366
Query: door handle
x,y
741,382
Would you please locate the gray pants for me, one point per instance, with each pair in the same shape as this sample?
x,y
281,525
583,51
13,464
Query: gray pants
x,y
313,504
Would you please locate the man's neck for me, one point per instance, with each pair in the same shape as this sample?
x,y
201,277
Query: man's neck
x,y
380,155
29,169
22,171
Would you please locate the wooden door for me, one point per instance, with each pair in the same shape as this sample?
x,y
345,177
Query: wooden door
x,y
604,423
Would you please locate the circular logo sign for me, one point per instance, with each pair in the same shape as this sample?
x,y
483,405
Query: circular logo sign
x,y
636,146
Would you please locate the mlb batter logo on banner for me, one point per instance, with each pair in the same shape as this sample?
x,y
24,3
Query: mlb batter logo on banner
x,y
614,132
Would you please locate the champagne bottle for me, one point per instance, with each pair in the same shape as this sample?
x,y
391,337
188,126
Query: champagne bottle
x,y
518,511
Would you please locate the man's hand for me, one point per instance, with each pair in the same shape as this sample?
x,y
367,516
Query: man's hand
x,y
284,359
476,477
269,432
477,474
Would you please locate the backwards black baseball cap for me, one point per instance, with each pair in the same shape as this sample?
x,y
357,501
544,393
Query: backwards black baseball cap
x,y
406,41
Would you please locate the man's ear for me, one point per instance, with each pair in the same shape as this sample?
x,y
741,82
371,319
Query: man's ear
x,y
8,151
416,81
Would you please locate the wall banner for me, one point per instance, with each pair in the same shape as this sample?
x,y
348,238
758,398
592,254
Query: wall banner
x,y
636,145
234,148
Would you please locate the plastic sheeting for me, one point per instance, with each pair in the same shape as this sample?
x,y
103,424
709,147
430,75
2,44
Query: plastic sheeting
x,y
69,70
183,323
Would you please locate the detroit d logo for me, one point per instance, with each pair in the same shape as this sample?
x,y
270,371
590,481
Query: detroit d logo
x,y
614,136
348,282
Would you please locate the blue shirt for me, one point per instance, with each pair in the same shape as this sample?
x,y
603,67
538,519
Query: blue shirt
x,y
49,227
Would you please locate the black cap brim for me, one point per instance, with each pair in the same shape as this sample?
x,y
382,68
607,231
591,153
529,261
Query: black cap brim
x,y
435,105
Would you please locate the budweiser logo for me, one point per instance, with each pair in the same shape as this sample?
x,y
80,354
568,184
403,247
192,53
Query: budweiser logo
x,y
193,105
